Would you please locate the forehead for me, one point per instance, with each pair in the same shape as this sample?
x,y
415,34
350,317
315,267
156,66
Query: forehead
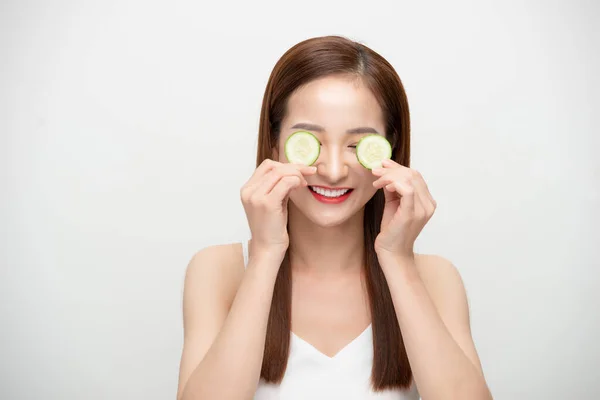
x,y
336,103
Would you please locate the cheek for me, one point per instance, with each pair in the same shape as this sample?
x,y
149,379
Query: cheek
x,y
297,196
365,175
278,155
366,179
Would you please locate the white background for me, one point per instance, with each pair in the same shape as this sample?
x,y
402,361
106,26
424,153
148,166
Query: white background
x,y
128,128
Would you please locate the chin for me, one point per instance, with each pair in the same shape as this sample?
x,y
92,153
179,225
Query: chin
x,y
328,220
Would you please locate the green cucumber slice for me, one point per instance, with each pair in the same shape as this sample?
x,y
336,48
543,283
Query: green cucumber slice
x,y
302,148
371,150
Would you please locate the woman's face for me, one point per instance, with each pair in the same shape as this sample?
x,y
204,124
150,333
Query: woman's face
x,y
339,111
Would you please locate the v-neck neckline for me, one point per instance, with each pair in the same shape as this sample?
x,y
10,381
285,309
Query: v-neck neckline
x,y
340,352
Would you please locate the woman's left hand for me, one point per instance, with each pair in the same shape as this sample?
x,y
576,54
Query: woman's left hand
x,y
408,207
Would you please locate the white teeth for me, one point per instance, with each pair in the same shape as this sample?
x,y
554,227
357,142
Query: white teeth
x,y
329,193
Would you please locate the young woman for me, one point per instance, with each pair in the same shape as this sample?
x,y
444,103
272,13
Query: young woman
x,y
327,299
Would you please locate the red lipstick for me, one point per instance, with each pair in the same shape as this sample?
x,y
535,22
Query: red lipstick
x,y
330,200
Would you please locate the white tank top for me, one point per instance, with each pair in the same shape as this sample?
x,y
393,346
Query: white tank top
x,y
310,374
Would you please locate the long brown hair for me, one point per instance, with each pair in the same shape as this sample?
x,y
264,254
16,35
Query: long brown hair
x,y
304,62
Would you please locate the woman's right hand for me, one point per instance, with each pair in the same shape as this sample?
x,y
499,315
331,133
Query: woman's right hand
x,y
265,197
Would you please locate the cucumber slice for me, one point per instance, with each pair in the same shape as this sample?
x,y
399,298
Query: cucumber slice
x,y
302,148
371,150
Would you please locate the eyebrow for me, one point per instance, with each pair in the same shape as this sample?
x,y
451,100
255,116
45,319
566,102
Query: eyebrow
x,y
318,128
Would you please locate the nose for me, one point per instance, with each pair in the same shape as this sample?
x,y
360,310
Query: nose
x,y
332,164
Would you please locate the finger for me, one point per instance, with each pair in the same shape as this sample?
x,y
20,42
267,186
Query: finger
x,y
389,163
406,192
419,207
283,187
422,205
264,179
390,174
381,182
379,171
304,169
421,186
386,169
271,180
268,165
401,171
273,176
387,179
420,210
281,169
297,170
264,167
257,176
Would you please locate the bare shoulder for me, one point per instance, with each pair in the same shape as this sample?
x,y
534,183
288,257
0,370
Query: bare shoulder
x,y
444,282
447,291
437,271
219,266
435,267
212,278
226,254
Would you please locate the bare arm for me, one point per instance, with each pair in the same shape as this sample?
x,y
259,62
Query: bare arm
x,y
223,339
432,310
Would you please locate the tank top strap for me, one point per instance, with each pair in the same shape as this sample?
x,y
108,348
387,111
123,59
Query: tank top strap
x,y
245,252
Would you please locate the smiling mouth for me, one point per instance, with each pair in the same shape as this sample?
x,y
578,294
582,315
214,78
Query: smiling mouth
x,y
330,193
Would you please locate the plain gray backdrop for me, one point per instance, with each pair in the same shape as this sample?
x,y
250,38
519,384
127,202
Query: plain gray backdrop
x,y
128,128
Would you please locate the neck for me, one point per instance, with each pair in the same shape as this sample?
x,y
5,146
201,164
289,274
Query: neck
x,y
325,249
